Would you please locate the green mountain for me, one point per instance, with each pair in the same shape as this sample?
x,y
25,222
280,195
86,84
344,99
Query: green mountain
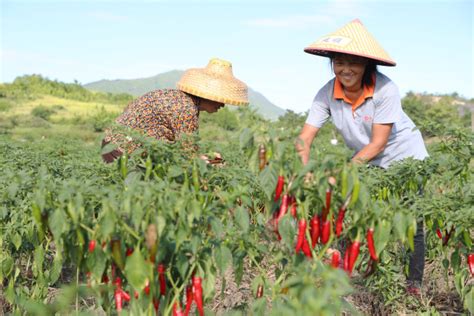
x,y
168,80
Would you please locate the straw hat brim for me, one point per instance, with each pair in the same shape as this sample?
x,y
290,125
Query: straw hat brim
x,y
327,52
353,39
215,82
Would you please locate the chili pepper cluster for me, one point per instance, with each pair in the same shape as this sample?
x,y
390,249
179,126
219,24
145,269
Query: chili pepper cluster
x,y
321,228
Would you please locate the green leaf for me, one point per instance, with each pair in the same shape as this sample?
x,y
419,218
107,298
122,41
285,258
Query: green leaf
x,y
469,301
57,266
174,171
455,260
287,230
107,222
242,219
137,270
160,224
57,223
381,235
100,260
217,228
38,263
223,258
268,179
16,240
7,267
401,225
246,139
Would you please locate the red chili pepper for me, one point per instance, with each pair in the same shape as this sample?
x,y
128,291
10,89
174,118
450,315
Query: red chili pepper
x,y
328,200
314,230
92,246
354,253
105,279
301,235
189,299
340,221
283,210
156,304
128,252
161,274
341,214
292,203
447,236
371,245
147,288
118,300
336,259
283,206
438,232
306,249
347,255
325,231
125,295
259,291
470,261
197,293
177,311
120,294
279,187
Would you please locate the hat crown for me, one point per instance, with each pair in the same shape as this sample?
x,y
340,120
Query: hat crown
x,y
353,39
215,82
219,67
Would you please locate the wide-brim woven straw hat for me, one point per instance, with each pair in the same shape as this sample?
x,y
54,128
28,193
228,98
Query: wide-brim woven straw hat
x,y
354,39
216,82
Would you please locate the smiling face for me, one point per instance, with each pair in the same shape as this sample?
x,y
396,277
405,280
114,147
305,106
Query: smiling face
x,y
349,70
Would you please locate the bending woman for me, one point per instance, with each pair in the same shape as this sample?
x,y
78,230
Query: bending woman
x,y
169,113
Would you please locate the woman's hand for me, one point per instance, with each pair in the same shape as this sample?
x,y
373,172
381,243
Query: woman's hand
x,y
217,160
304,141
380,134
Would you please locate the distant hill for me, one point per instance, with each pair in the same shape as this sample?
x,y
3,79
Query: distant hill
x,y
168,80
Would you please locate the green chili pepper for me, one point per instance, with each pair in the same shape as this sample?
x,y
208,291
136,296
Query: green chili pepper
x,y
344,184
411,236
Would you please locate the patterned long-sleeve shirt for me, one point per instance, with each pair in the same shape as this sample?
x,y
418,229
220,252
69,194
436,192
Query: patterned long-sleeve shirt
x,y
161,114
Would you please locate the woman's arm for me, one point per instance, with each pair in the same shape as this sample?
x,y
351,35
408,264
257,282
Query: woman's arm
x,y
380,134
304,141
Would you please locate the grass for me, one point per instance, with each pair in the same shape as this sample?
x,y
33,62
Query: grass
x,y
63,108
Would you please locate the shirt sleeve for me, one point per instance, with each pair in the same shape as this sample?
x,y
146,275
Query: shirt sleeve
x,y
319,112
389,108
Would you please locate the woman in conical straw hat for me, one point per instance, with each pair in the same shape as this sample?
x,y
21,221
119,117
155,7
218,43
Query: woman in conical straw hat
x,y
365,108
169,114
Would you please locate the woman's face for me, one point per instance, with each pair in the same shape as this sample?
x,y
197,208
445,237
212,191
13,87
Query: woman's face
x,y
349,70
210,106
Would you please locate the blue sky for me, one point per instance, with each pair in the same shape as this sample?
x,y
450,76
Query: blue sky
x,y
431,41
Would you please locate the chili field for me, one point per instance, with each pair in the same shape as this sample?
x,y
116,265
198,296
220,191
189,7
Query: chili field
x,y
160,232
159,229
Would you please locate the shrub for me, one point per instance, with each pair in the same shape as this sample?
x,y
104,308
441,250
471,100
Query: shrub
x,y
102,119
43,112
5,105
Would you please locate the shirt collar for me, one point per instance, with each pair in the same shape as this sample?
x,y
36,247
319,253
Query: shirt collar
x,y
367,92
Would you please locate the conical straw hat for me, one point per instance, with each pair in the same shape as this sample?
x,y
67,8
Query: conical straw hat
x,y
354,39
216,82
